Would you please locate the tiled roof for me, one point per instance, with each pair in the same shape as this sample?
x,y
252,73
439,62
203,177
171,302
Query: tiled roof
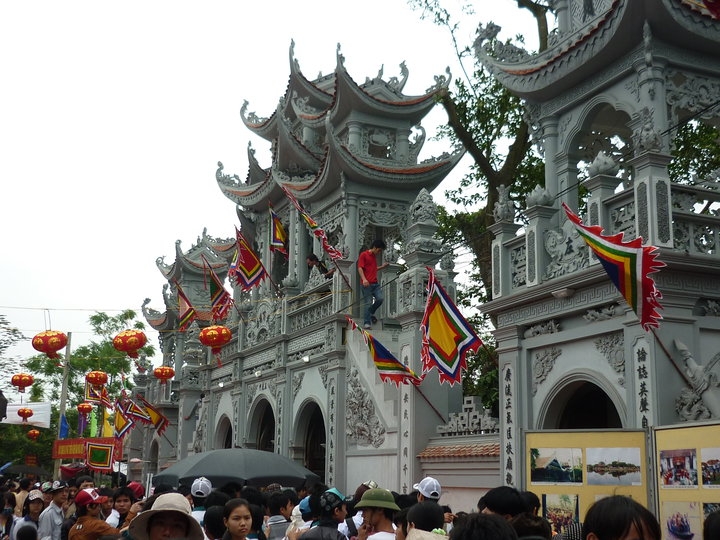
x,y
461,451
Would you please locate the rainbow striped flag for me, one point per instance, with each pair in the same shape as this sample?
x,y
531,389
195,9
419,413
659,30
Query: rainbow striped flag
x,y
389,368
246,269
278,235
629,265
446,336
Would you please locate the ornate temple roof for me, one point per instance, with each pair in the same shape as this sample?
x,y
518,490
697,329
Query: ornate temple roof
x,y
192,262
614,28
311,167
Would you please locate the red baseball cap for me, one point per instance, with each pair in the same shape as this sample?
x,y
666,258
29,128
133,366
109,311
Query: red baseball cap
x,y
89,496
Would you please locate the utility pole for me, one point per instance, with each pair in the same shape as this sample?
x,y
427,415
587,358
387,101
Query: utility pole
x,y
63,399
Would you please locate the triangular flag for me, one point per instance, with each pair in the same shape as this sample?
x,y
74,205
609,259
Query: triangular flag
x,y
158,419
389,368
220,300
318,231
186,313
248,270
278,235
446,335
123,423
136,412
629,265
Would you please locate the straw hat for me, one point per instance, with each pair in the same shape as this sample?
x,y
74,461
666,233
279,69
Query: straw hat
x,y
167,502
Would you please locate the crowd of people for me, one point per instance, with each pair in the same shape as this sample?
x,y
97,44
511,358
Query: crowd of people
x,y
81,511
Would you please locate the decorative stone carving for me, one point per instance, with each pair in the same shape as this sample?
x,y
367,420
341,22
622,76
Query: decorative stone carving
x,y
470,420
423,208
602,314
324,375
198,442
547,327
543,364
612,347
504,210
263,323
710,307
704,382
447,262
363,425
603,164
539,196
646,138
568,251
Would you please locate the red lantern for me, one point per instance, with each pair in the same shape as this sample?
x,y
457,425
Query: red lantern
x,y
97,378
33,434
130,341
22,381
84,408
25,413
164,373
215,337
49,342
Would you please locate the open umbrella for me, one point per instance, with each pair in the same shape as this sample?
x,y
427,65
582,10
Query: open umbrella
x,y
27,469
243,465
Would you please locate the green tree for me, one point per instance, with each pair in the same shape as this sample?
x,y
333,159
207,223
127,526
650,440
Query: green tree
x,y
9,336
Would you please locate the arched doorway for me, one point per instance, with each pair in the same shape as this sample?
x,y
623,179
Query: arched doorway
x,y
582,405
261,433
224,434
310,439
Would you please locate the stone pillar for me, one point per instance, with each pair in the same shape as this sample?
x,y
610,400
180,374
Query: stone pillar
x,y
653,205
402,145
501,274
512,396
549,128
561,12
539,218
567,185
354,135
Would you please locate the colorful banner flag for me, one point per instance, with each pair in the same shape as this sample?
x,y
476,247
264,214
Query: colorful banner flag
x,y
99,456
107,429
278,235
389,368
332,252
220,300
157,419
64,427
123,423
446,336
186,312
248,270
136,412
82,424
629,265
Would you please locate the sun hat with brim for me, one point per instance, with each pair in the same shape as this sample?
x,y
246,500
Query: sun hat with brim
x,y
377,498
167,502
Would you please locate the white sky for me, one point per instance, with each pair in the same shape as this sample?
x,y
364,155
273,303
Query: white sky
x,y
113,116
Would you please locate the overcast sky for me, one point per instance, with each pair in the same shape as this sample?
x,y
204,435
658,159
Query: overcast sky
x,y
113,116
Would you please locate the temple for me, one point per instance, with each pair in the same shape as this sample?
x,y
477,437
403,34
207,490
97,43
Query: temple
x,y
295,379
605,101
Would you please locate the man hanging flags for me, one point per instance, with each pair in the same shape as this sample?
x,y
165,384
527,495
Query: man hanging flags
x,y
186,312
278,235
629,265
332,252
248,270
446,336
389,368
220,300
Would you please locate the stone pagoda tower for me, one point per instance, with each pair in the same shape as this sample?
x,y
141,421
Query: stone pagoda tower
x,y
605,100
295,379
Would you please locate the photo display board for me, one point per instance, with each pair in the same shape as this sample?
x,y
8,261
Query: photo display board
x,y
570,470
688,477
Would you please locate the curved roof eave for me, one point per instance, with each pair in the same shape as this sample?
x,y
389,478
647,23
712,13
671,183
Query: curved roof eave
x,y
427,175
301,84
687,24
256,174
307,115
239,193
410,108
289,149
262,127
301,187
542,76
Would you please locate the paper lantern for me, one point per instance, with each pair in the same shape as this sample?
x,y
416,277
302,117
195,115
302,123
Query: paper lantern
x,y
84,408
97,378
215,337
33,434
49,342
130,341
25,413
22,381
164,373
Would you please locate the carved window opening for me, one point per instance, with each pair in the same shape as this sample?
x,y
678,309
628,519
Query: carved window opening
x,y
381,143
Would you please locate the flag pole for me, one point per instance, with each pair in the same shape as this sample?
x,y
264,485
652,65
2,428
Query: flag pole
x,y
63,398
672,361
345,279
431,405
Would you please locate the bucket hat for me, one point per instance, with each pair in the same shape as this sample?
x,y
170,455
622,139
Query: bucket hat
x,y
167,502
377,498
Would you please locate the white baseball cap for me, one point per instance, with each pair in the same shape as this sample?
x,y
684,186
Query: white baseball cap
x,y
201,487
429,487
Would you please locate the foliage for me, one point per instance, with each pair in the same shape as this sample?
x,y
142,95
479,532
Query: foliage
x,y
9,336
97,355
696,151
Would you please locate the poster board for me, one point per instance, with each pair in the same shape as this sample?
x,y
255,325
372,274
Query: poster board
x,y
687,459
570,470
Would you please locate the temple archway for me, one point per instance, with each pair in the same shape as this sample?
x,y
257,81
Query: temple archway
x,y
582,405
223,434
310,437
262,427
